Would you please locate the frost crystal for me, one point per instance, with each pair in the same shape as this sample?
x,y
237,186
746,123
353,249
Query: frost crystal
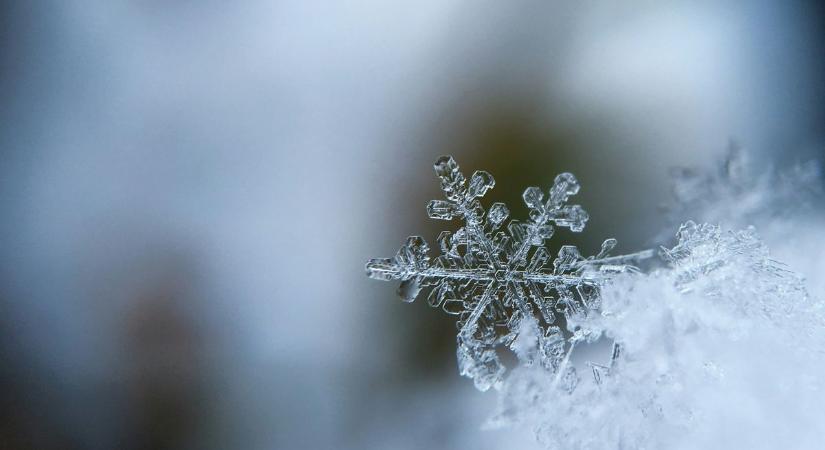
x,y
721,326
499,280
714,263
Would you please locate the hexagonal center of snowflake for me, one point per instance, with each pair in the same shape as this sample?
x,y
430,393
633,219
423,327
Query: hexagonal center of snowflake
x,y
505,275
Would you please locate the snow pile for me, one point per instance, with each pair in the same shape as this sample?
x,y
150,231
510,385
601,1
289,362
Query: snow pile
x,y
722,347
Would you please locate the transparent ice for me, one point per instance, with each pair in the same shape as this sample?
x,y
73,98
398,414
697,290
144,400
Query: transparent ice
x,y
500,280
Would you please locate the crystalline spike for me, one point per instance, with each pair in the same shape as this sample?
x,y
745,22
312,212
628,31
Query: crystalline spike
x,y
617,351
440,209
480,183
445,166
568,256
382,269
498,282
414,251
564,186
607,246
440,293
599,372
452,180
459,237
538,260
543,305
552,348
443,262
567,302
515,321
475,211
589,296
686,230
501,240
573,217
444,242
518,231
541,233
497,215
533,198
479,363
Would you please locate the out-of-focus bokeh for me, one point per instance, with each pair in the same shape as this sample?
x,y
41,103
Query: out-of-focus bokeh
x,y
189,191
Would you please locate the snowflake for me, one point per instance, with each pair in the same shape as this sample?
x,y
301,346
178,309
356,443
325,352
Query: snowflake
x,y
497,280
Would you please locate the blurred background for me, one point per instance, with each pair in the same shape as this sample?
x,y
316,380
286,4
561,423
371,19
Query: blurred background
x,y
189,191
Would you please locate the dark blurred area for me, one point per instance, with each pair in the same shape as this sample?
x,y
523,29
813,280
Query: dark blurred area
x,y
189,191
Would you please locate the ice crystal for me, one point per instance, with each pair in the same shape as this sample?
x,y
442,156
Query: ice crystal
x,y
716,263
722,325
499,280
